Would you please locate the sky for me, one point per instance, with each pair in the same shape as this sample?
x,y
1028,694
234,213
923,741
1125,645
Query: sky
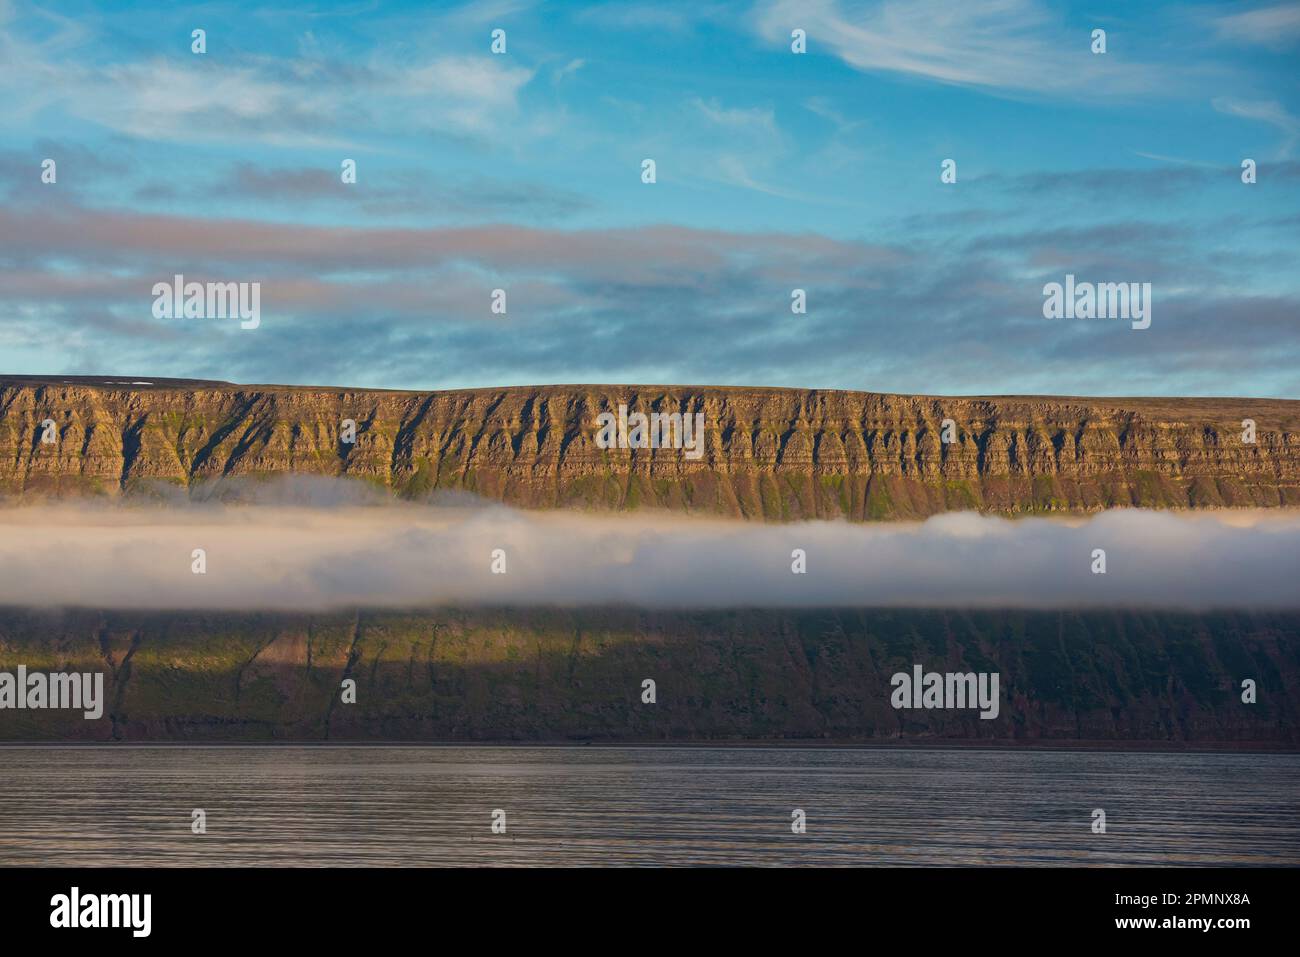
x,y
774,171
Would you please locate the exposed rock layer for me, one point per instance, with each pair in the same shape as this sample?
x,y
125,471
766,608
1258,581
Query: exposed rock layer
x,y
777,454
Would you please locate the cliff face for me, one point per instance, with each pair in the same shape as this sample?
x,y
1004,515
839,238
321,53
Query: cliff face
x,y
551,675
774,454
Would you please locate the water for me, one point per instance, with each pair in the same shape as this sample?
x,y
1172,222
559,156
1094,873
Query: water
x,y
399,806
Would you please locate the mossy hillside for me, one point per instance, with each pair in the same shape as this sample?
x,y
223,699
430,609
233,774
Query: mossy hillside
x,y
566,674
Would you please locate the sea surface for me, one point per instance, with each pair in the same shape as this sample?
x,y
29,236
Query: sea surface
x,y
410,806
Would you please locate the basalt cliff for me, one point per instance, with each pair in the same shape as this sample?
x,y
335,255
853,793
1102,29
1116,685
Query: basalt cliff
x,y
768,454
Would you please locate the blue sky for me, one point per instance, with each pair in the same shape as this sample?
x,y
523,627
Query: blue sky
x,y
775,171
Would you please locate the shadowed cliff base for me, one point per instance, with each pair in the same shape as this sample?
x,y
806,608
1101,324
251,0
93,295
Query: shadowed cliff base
x,y
1122,679
768,454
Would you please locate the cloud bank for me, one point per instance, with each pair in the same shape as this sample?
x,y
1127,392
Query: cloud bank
x,y
319,557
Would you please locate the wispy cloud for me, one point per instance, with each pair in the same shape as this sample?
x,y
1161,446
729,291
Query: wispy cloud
x,y
569,69
1276,26
396,192
662,17
296,101
1012,45
470,92
821,106
735,118
1176,160
1265,111
734,171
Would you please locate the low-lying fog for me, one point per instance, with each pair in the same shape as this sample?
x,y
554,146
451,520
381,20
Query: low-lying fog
x,y
334,552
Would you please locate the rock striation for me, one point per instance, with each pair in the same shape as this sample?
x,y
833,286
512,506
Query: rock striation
x,y
769,454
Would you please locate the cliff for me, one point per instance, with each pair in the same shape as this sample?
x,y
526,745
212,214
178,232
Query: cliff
x,y
1118,678
776,454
